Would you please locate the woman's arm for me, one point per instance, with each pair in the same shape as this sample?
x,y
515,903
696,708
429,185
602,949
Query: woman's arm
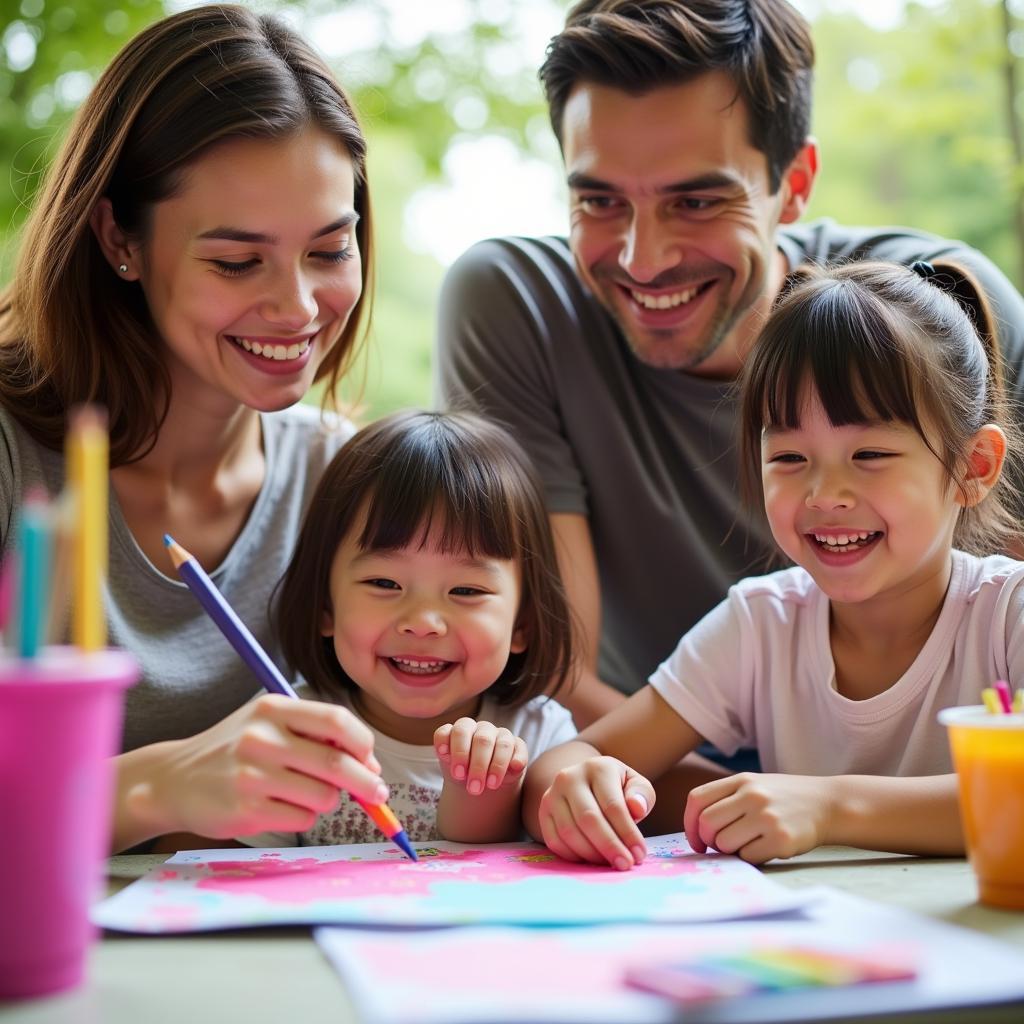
x,y
273,765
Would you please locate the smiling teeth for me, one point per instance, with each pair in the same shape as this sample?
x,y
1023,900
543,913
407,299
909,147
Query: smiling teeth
x,y
664,301
274,352
422,667
843,541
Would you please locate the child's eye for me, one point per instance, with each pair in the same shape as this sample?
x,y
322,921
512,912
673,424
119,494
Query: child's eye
x,y
382,583
788,457
869,453
466,591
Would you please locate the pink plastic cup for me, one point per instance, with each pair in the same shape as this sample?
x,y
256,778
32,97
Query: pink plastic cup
x,y
60,722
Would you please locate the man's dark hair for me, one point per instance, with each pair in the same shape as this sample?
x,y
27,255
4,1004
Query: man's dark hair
x,y
640,45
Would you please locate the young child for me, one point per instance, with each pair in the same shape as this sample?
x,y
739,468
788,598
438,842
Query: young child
x,y
870,421
424,596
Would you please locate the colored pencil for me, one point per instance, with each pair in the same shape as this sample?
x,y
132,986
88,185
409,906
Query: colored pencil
x,y
87,467
991,700
1018,702
34,543
268,674
1002,688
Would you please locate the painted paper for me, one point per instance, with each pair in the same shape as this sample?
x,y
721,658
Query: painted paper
x,y
452,884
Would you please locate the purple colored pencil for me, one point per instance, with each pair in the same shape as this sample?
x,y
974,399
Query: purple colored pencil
x,y
269,675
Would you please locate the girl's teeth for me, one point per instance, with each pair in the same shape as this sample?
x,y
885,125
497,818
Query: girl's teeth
x,y
844,540
423,667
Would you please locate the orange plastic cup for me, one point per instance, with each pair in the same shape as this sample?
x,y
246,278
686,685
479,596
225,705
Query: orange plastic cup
x,y
988,753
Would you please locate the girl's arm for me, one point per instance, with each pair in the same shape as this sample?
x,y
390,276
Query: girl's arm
x,y
760,817
273,765
584,798
483,768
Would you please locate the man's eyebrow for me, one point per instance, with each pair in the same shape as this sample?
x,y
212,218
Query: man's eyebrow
x,y
713,179
229,234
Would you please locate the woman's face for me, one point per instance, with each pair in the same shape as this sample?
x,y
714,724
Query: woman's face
x,y
251,269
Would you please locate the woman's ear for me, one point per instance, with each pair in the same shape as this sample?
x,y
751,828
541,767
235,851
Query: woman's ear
x,y
113,241
984,464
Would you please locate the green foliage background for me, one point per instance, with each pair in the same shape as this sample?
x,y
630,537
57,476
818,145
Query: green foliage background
x,y
912,125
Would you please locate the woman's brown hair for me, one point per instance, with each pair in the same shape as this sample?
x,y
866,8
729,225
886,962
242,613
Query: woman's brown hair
x,y
70,329
397,480
879,341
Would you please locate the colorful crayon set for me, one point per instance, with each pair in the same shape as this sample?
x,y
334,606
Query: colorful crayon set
x,y
999,700
764,970
58,541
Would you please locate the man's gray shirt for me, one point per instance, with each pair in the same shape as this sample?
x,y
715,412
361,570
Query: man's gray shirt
x,y
647,455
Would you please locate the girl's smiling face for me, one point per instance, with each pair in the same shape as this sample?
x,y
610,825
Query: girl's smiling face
x,y
250,270
867,509
421,631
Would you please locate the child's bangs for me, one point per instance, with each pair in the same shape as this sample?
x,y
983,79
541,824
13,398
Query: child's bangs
x,y
438,492
845,355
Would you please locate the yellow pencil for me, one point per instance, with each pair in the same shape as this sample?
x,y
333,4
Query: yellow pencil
x,y
992,702
88,472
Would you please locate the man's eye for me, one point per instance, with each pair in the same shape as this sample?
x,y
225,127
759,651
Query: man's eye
x,y
599,204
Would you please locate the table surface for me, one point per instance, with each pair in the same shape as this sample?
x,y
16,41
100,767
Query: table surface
x,y
264,976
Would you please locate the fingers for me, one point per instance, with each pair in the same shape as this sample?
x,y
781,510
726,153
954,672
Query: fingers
x,y
481,754
589,813
707,811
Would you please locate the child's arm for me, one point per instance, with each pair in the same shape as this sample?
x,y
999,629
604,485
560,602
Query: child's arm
x,y
483,768
584,798
760,817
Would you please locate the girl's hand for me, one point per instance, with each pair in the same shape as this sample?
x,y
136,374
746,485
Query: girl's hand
x,y
758,816
275,764
481,755
590,810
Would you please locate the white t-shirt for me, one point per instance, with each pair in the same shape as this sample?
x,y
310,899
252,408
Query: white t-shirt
x,y
414,777
757,671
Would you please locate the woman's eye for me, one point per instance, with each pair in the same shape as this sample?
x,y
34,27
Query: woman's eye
x,y
231,268
334,255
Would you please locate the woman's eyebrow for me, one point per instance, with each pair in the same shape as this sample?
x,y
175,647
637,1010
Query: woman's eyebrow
x,y
229,234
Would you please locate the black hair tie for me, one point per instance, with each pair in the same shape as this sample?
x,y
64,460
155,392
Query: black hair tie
x,y
923,269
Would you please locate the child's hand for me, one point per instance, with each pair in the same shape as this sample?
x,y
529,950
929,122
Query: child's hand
x,y
590,811
758,817
275,764
481,755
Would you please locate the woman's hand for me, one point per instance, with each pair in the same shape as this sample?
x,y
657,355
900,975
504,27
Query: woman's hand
x,y
590,810
758,817
481,755
275,764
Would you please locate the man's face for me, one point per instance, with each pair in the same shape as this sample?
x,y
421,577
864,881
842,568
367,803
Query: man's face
x,y
672,219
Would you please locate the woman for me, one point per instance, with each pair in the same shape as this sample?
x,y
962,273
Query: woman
x,y
197,257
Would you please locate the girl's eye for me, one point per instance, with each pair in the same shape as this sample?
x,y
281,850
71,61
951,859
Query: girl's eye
x,y
870,454
232,269
786,457
466,591
382,583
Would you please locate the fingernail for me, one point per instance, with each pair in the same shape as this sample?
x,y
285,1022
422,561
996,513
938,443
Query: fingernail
x,y
622,864
638,853
443,750
381,795
459,771
475,788
640,800
492,781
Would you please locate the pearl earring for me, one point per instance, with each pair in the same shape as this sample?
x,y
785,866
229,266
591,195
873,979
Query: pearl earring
x,y
123,268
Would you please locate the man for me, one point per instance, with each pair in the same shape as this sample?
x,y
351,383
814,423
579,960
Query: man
x,y
613,355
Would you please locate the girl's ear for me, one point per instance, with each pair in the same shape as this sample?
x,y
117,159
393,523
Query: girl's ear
x,y
327,622
984,464
519,640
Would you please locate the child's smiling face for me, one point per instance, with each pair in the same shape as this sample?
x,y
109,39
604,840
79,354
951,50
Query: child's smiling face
x,y
867,509
422,632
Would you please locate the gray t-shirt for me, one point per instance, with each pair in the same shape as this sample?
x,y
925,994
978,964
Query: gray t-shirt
x,y
191,676
647,455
